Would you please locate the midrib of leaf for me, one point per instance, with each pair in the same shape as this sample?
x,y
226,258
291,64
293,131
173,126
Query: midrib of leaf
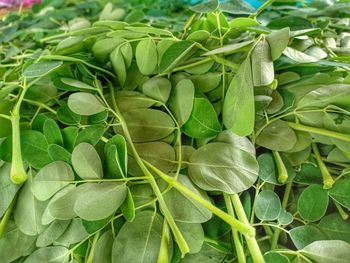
x,y
148,236
204,125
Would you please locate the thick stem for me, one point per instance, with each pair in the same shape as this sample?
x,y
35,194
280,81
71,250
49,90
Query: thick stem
x,y
6,217
18,173
261,8
180,240
281,168
163,255
251,241
90,258
235,234
286,195
320,131
341,211
327,177
244,228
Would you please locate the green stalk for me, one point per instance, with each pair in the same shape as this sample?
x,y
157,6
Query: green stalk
x,y
285,199
164,245
244,228
261,8
235,234
251,241
281,168
320,131
90,258
327,177
341,211
180,240
18,174
6,217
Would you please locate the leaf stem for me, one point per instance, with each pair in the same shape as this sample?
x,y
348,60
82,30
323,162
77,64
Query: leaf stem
x,y
251,241
5,117
285,199
261,8
7,216
244,228
281,168
235,234
320,131
18,173
327,178
163,255
90,258
341,211
176,231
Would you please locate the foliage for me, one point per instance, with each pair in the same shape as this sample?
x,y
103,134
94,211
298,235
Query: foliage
x,y
162,133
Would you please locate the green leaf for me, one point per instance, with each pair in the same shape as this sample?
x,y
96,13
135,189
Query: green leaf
x,y
340,192
128,207
243,22
231,48
267,205
335,227
181,100
285,218
52,132
231,171
238,110
298,56
14,238
77,84
85,104
91,134
148,124
277,136
157,88
175,54
66,116
203,122
305,235
51,179
278,41
190,211
207,82
310,208
52,233
86,162
325,251
92,226
206,7
193,234
61,205
28,211
208,254
274,257
103,249
336,94
139,241
146,56
262,64
104,47
55,254
98,201
41,68
8,189
119,66
73,234
34,148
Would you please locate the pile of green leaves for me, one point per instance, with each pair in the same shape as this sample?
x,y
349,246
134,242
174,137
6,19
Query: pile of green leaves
x,y
127,136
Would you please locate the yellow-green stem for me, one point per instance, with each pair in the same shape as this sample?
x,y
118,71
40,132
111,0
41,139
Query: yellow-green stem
x,y
236,238
327,177
285,199
90,258
341,211
281,168
251,241
163,255
6,217
244,228
320,131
